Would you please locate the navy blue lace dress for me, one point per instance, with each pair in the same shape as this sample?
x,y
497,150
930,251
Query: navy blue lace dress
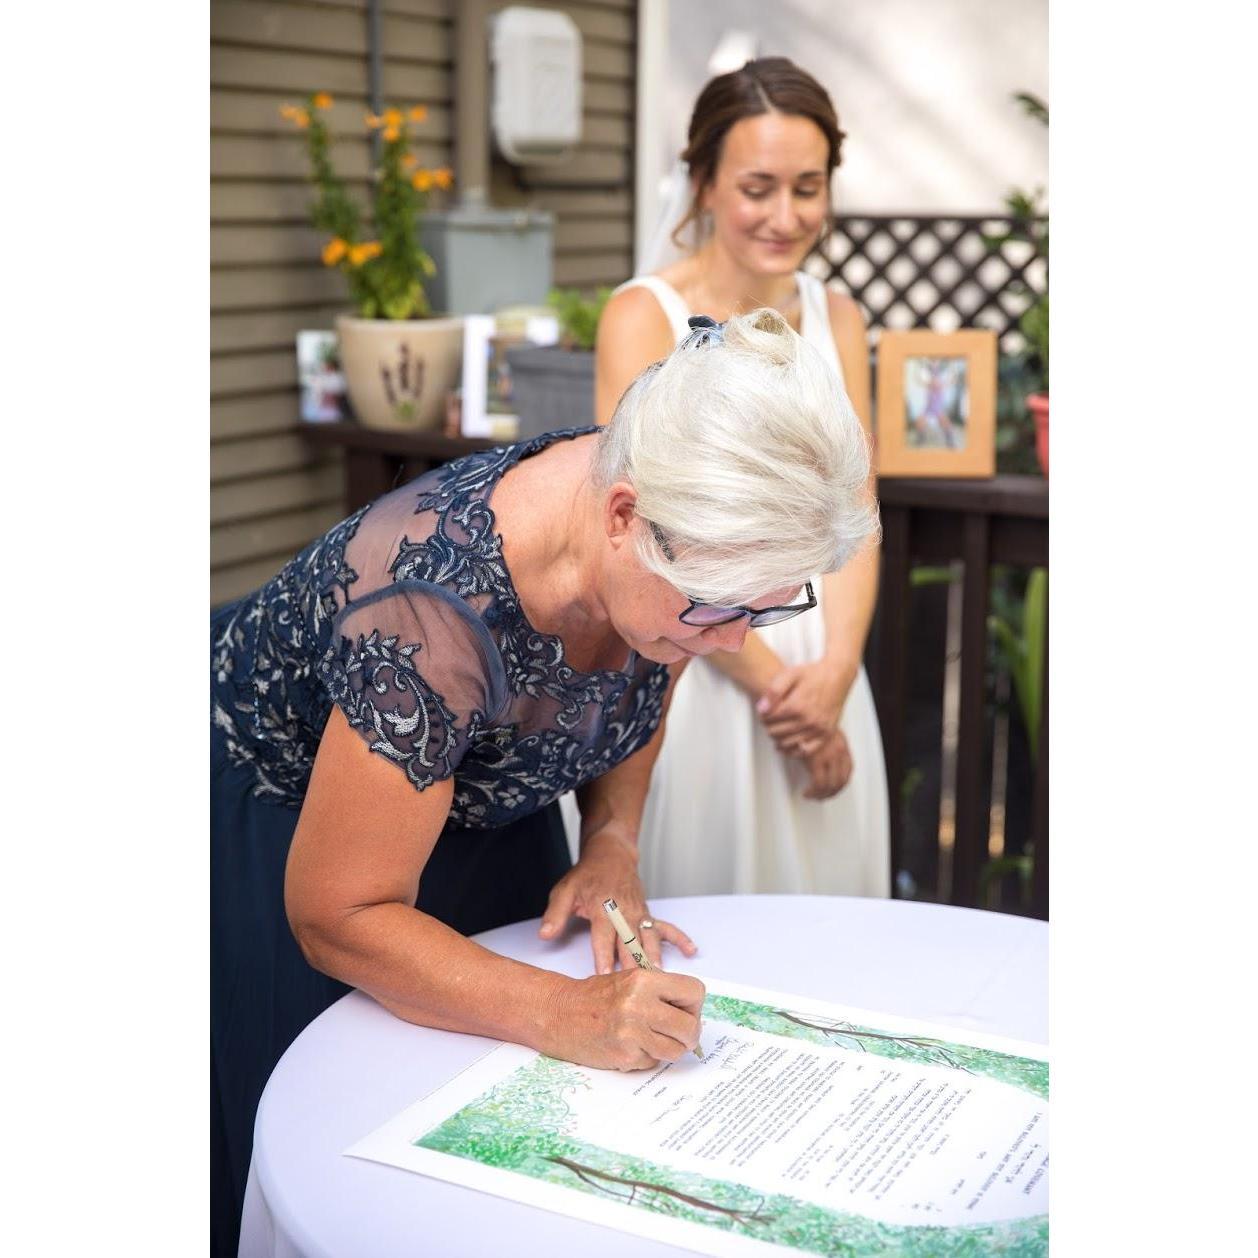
x,y
405,617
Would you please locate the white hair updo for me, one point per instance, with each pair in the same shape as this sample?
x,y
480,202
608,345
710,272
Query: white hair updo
x,y
745,453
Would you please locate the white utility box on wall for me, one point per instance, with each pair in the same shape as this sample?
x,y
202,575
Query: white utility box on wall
x,y
537,84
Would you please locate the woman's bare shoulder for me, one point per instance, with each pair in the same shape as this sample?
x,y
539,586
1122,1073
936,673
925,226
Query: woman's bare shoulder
x,y
845,311
635,302
635,312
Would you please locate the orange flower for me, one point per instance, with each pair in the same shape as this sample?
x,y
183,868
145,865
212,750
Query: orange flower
x,y
374,121
322,100
334,251
358,254
443,177
392,117
418,113
409,160
295,114
390,134
423,180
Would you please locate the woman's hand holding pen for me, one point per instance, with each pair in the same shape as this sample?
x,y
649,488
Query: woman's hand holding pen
x,y
625,1019
628,1020
609,867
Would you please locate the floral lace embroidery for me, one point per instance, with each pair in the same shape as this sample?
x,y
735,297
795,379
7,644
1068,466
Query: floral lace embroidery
x,y
279,665
265,697
418,731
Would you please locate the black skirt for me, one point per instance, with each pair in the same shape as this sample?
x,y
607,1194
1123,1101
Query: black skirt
x,y
263,992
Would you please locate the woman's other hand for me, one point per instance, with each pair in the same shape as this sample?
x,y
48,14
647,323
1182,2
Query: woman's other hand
x,y
628,1020
608,868
803,703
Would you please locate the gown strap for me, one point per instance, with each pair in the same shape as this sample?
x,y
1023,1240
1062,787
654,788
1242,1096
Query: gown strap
x,y
675,309
814,323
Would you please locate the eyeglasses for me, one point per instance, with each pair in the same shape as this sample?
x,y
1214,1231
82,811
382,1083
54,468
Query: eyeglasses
x,y
709,615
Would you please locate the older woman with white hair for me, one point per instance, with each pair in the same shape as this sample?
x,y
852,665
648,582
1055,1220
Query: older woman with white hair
x,y
396,712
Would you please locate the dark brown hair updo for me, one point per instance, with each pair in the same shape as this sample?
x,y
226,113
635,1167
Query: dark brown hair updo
x,y
762,86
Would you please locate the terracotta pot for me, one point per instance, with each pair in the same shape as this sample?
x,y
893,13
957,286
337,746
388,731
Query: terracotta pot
x,y
1037,404
399,371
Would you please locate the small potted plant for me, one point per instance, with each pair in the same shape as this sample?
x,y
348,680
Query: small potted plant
x,y
398,359
553,385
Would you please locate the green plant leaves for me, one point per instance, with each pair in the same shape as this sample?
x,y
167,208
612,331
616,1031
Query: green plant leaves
x,y
1033,106
578,315
1023,650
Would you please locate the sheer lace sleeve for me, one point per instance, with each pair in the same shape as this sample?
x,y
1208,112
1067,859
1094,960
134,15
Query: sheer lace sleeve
x,y
416,674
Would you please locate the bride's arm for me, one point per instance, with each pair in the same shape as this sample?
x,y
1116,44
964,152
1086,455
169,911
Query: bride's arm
x,y
633,333
851,593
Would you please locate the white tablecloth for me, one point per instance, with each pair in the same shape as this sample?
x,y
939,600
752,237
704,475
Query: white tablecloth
x,y
356,1066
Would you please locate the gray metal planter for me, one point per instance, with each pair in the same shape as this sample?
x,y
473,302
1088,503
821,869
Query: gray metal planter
x,y
488,258
551,388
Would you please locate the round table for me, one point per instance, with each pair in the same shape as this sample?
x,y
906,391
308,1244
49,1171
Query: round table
x,y
356,1066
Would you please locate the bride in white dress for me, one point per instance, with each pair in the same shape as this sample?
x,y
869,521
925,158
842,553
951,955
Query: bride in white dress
x,y
771,776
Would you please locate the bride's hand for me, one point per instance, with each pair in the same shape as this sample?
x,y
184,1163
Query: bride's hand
x,y
802,704
829,765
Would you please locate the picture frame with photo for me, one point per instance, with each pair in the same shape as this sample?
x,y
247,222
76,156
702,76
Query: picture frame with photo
x,y
321,380
485,408
936,408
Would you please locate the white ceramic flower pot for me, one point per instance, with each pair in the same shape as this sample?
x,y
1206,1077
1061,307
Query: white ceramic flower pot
x,y
398,371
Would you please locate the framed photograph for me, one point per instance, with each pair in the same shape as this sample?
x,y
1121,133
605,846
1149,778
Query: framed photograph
x,y
485,398
319,375
936,413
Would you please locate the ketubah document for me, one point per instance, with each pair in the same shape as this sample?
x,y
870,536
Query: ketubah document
x,y
810,1127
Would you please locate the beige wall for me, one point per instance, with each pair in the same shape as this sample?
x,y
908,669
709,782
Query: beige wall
x,y
269,494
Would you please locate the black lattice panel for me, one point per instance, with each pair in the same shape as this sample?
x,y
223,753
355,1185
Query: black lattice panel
x,y
933,272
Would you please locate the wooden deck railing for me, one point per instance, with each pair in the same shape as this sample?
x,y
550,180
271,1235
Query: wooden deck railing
x,y
376,459
979,522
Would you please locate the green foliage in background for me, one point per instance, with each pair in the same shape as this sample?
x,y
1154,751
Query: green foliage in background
x,y
578,315
1018,625
1021,643
1017,375
1030,225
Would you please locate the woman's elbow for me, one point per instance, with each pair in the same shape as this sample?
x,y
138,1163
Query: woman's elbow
x,y
309,945
313,933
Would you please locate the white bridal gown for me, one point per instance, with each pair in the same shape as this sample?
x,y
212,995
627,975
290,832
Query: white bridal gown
x,y
726,811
